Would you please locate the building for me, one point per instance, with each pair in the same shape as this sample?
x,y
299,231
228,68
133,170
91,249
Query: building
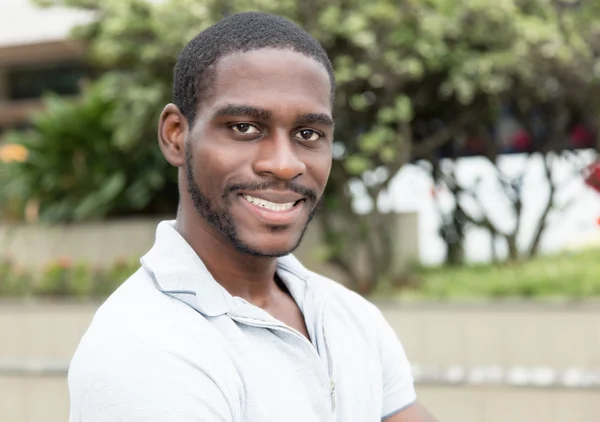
x,y
36,57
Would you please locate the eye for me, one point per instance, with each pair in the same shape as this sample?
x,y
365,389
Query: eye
x,y
245,129
308,135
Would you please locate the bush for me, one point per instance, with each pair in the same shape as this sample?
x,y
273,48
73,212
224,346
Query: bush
x,y
74,167
14,281
63,278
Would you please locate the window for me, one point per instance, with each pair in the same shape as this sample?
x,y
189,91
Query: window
x,y
32,82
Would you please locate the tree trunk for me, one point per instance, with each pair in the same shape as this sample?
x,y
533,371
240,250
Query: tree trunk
x,y
493,248
513,250
339,257
455,254
543,220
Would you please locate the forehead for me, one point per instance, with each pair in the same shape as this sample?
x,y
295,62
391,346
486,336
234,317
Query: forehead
x,y
273,79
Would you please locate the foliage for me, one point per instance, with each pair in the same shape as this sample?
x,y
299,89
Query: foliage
x,y
75,168
63,278
14,281
568,275
571,275
411,76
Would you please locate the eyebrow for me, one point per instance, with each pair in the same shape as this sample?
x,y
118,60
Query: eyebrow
x,y
314,119
263,114
243,110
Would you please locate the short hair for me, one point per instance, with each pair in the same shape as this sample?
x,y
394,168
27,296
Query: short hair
x,y
195,69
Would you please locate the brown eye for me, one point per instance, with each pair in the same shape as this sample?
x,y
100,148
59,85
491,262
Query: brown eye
x,y
245,129
308,135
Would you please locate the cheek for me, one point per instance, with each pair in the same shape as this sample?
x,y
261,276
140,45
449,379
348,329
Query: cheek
x,y
320,167
207,171
217,165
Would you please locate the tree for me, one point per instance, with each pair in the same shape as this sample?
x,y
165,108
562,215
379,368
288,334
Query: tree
x,y
411,76
557,170
554,109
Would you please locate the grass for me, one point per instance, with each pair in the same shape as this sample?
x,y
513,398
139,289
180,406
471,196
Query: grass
x,y
570,275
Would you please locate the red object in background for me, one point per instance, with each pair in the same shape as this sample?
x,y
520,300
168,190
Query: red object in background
x,y
592,176
522,141
581,137
474,145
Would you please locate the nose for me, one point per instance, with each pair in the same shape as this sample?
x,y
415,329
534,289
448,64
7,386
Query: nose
x,y
278,158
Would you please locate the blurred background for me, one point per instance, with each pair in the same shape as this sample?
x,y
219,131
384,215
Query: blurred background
x,y
464,198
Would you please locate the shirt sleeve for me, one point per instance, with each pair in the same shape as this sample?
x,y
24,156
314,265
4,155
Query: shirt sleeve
x,y
134,384
398,384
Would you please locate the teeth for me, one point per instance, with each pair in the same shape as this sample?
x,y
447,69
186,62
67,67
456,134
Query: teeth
x,y
269,205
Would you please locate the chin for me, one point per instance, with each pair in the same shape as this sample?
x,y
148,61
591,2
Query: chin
x,y
270,246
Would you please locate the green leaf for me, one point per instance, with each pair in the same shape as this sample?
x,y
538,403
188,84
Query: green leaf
x,y
357,165
403,109
96,202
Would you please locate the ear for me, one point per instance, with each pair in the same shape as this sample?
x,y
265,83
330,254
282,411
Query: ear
x,y
172,132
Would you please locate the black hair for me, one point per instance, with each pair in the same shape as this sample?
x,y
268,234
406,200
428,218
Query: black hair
x,y
195,69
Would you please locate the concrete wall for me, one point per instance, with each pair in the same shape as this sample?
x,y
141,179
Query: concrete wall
x,y
501,404
45,399
34,245
37,341
508,334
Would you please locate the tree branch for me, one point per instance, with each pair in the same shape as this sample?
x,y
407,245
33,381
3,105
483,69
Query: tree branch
x,y
542,221
437,140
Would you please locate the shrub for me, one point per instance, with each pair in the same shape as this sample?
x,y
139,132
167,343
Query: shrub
x,y
14,280
75,169
63,278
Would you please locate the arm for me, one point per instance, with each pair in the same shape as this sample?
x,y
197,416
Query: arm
x,y
399,397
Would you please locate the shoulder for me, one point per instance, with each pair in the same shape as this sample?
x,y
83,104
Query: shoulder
x,y
135,312
347,310
145,356
139,333
341,296
322,288
355,318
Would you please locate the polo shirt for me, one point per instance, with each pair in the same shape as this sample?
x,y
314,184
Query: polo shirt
x,y
171,344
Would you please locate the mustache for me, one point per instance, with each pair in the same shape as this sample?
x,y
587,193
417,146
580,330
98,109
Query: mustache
x,y
272,184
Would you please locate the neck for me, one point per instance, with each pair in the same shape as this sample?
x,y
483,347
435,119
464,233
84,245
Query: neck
x,y
243,275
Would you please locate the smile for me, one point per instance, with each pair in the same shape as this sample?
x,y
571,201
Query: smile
x,y
272,206
280,209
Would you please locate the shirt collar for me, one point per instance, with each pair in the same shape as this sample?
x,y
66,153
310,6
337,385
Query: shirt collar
x,y
179,272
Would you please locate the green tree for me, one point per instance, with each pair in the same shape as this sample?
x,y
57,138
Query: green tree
x,y
560,89
411,76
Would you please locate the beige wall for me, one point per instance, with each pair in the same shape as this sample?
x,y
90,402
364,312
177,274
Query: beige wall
x,y
45,399
103,243
507,335
498,404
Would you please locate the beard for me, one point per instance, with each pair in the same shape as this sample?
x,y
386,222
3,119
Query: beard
x,y
223,220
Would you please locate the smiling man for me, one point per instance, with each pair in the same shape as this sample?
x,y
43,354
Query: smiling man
x,y
221,322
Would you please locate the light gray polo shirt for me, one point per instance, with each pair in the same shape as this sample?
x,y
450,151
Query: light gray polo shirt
x,y
171,345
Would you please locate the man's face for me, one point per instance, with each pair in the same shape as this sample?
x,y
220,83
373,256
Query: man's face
x,y
259,153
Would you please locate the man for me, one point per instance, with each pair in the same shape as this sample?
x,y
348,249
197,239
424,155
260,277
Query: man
x,y
221,323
